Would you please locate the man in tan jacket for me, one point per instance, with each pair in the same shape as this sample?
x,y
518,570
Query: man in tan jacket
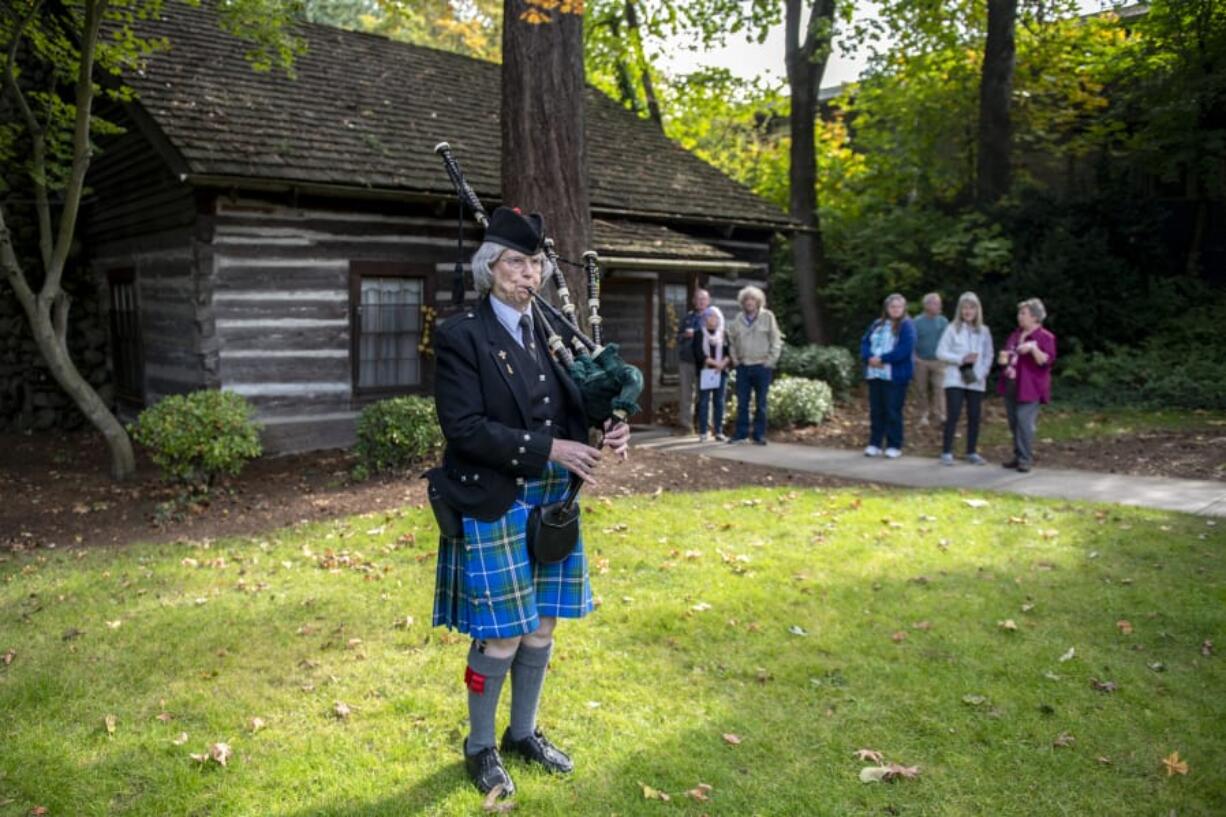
x,y
756,344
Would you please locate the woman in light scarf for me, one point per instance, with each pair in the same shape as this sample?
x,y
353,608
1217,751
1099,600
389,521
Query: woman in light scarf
x,y
712,359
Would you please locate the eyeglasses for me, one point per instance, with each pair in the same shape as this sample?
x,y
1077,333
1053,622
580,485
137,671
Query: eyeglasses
x,y
518,263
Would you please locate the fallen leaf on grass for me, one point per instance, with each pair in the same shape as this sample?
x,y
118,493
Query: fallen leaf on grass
x,y
220,752
1068,656
1174,765
39,811
1206,648
898,637
1103,686
180,739
869,754
110,721
341,710
731,739
1104,760
1124,626
1064,740
257,724
115,625
9,655
796,629
887,774
974,700
922,625
976,503
165,717
701,607
493,804
1008,624
650,793
1027,607
701,792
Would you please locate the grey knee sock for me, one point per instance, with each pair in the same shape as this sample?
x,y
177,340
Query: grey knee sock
x,y
483,677
527,679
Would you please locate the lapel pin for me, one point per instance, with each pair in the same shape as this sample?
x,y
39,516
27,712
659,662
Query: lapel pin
x,y
502,354
509,369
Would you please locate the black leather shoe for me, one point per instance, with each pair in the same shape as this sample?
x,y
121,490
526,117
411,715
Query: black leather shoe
x,y
486,770
536,748
1023,469
1009,464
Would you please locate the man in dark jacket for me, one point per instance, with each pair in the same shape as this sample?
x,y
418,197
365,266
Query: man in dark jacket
x,y
516,435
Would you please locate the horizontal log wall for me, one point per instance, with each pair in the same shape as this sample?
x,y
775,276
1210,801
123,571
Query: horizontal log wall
x,y
279,311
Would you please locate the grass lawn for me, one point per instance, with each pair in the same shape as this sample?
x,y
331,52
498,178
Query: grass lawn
x,y
1078,424
809,624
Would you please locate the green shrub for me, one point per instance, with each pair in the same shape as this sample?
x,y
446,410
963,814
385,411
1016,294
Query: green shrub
x,y
393,434
833,365
196,437
1174,368
790,401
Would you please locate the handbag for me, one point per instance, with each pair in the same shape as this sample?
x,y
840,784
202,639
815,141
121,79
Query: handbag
x,y
968,373
708,379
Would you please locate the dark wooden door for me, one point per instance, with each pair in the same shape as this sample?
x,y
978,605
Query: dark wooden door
x,y
626,318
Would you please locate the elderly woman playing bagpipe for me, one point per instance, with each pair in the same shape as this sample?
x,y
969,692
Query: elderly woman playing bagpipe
x,y
516,432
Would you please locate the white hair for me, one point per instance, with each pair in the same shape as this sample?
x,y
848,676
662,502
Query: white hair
x,y
486,256
751,292
717,312
1035,307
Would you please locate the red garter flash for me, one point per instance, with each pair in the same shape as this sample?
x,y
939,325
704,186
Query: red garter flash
x,y
475,681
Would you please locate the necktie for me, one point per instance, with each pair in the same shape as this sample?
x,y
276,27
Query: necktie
x,y
525,332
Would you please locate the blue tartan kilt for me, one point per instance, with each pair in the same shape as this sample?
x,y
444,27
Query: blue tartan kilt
x,y
489,587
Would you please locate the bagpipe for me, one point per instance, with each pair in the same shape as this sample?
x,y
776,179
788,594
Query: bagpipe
x,y
609,386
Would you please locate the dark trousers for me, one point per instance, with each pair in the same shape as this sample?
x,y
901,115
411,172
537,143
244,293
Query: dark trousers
x,y
756,378
885,402
954,398
705,399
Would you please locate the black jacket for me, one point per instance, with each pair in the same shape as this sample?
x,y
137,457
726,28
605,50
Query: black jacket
x,y
485,414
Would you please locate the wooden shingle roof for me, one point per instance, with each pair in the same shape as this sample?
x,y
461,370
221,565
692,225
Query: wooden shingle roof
x,y
365,112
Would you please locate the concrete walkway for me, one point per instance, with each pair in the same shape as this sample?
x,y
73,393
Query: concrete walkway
x,y
1205,497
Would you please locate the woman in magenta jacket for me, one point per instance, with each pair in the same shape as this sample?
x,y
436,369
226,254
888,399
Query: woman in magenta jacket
x,y
1025,379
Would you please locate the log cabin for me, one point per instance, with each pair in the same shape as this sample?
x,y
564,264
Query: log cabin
x,y
293,239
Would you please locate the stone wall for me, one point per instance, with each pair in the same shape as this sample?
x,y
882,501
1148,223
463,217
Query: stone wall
x,y
29,397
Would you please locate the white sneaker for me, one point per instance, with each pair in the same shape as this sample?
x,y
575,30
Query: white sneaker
x,y
892,453
872,451
702,438
975,459
947,459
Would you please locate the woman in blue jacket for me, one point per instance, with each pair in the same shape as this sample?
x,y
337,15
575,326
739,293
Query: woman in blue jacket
x,y
887,349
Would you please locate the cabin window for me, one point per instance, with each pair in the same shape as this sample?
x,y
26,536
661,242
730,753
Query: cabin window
x,y
126,358
390,305
672,312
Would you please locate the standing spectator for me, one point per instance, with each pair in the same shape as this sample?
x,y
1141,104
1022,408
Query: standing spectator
x,y
930,372
712,353
965,352
1026,381
756,343
887,347
691,326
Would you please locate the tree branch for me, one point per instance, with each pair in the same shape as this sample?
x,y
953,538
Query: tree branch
x,y
80,146
59,318
10,268
37,137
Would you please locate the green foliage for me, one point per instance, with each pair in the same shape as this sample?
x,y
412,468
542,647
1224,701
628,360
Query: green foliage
x,y
394,434
833,365
1176,367
790,401
196,437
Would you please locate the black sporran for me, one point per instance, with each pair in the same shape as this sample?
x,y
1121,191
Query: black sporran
x,y
553,531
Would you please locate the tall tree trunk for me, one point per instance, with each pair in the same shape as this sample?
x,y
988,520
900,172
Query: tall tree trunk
x,y
807,50
544,153
636,44
995,89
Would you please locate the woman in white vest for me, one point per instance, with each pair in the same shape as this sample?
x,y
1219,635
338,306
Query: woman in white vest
x,y
966,349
